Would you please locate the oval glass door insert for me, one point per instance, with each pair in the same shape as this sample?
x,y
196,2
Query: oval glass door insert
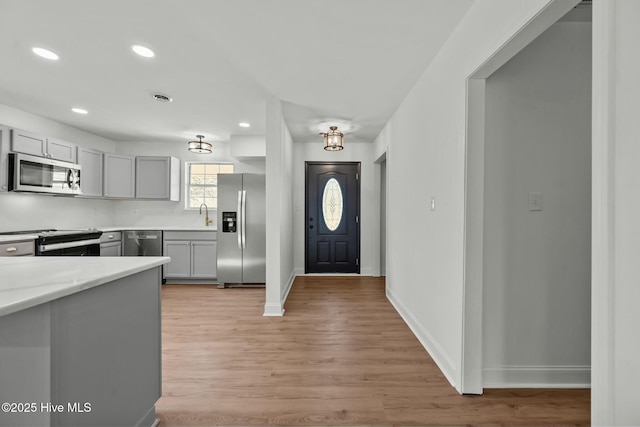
x,y
332,204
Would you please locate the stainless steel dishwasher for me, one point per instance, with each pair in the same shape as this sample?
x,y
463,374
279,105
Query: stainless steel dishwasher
x,y
143,243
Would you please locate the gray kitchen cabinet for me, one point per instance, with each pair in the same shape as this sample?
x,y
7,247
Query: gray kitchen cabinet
x,y
17,248
91,173
158,178
100,346
193,255
4,157
28,143
38,145
111,243
61,150
180,253
203,259
119,176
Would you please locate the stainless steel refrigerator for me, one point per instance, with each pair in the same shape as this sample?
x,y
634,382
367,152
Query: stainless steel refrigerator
x,y
241,229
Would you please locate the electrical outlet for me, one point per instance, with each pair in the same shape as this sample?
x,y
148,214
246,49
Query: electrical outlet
x,y
433,203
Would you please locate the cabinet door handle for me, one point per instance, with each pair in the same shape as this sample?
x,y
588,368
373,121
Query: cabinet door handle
x,y
110,236
12,249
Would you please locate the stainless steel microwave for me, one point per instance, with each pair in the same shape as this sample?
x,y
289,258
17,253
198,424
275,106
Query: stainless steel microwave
x,y
40,175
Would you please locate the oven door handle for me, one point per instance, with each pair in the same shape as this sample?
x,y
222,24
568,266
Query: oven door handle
x,y
55,246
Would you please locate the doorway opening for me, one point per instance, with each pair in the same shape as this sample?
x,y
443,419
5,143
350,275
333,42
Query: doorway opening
x,y
527,210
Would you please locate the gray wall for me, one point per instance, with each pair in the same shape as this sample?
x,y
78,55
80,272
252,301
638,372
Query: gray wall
x,y
536,313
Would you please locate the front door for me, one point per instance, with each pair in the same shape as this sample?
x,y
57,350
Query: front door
x,y
332,217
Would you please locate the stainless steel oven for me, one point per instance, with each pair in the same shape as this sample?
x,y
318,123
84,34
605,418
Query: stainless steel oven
x,y
66,242
40,175
69,243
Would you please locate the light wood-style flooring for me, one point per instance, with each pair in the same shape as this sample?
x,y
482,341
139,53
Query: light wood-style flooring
x,y
341,355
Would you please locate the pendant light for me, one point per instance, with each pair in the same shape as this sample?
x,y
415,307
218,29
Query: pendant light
x,y
200,146
333,140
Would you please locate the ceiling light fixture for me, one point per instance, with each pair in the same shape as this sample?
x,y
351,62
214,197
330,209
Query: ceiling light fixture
x,y
333,140
244,125
143,51
200,146
45,53
79,110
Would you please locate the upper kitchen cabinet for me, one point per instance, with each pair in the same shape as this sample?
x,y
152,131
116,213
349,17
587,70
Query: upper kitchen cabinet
x,y
28,143
38,145
119,176
158,178
91,173
61,150
4,157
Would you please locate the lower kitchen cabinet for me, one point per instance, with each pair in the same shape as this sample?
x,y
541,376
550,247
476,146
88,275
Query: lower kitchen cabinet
x,y
17,248
111,244
193,255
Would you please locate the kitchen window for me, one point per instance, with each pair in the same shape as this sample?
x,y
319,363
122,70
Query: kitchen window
x,y
202,183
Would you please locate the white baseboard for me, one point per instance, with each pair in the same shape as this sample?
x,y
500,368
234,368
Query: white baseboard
x,y
426,339
537,377
273,310
287,289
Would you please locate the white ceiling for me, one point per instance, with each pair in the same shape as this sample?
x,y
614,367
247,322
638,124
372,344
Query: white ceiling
x,y
344,62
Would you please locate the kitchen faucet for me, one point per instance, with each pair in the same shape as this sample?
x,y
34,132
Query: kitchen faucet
x,y
207,221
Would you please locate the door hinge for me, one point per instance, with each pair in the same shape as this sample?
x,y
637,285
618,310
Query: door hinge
x,y
357,219
357,176
357,261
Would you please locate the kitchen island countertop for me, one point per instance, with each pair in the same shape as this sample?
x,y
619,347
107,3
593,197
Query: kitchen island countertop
x,y
30,281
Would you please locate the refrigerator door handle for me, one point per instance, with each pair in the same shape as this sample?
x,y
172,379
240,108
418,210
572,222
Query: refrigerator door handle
x,y
240,230
244,219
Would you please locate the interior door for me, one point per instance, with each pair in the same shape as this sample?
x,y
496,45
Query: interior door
x,y
332,217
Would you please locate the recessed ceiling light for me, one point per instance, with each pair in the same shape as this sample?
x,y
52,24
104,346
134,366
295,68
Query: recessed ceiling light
x,y
244,125
45,53
79,110
143,51
161,98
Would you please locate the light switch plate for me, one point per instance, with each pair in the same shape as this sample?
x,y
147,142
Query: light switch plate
x,y
535,201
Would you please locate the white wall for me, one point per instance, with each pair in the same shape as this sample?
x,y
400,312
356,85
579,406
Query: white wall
x,y
616,210
537,269
279,176
32,212
369,228
150,213
29,212
425,146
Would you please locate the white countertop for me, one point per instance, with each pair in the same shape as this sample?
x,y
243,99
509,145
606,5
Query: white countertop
x,y
17,237
20,237
158,227
30,281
